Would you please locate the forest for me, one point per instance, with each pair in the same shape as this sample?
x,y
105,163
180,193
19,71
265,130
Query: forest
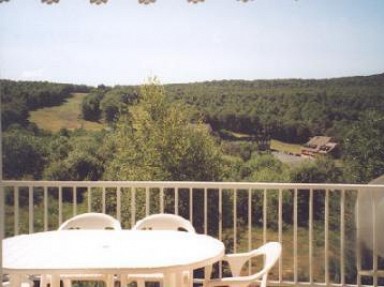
x,y
162,132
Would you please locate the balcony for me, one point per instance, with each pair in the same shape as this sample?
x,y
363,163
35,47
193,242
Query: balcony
x,y
330,233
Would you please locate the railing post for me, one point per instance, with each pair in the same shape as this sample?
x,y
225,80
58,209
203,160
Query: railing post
x,y
326,237
2,211
2,215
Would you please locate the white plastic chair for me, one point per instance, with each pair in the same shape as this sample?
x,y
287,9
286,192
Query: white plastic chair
x,y
91,220
271,252
164,221
160,221
87,221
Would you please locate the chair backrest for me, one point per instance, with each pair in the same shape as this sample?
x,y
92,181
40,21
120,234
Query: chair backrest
x,y
271,252
164,221
91,220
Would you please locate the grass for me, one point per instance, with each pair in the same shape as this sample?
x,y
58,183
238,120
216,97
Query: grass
x,y
275,144
66,116
285,147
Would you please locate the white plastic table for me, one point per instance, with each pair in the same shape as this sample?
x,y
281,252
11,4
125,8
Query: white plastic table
x,y
108,252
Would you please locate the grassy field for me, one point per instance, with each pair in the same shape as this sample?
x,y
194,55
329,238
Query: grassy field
x,y
275,144
285,147
66,116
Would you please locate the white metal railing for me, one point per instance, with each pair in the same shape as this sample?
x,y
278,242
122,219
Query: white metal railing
x,y
316,223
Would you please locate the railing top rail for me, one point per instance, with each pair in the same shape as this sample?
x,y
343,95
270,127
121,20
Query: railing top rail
x,y
193,184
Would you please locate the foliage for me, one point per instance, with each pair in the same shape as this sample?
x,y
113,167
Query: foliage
x,y
155,141
364,148
288,110
74,157
23,154
161,134
18,98
322,170
90,107
265,168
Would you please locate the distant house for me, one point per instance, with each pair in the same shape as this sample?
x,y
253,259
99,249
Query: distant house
x,y
319,145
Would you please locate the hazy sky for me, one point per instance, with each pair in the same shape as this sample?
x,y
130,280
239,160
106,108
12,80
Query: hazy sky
x,y
124,42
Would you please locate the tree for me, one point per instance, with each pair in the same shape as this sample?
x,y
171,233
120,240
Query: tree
x,y
91,106
363,148
155,141
74,157
23,154
116,101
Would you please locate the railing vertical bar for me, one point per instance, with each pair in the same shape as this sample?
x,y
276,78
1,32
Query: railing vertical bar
x,y
249,219
249,227
326,237
342,238
2,216
265,206
45,208
220,214
191,204
118,203
280,233
2,198
235,220
176,205
220,225
75,200
16,204
295,238
375,227
89,193
147,201
205,211
30,208
60,205
104,199
310,227
162,200
358,245
133,206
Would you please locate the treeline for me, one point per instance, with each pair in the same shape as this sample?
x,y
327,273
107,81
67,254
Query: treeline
x,y
288,110
18,98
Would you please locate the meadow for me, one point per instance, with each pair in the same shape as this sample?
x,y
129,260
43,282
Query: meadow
x,y
66,116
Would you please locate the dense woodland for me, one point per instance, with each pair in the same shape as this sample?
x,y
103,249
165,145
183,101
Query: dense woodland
x,y
155,129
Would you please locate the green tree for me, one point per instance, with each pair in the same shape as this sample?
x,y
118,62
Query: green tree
x,y
24,155
265,168
90,106
74,156
155,141
322,170
115,101
363,148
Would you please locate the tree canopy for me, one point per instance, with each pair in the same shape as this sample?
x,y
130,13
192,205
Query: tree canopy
x,y
154,140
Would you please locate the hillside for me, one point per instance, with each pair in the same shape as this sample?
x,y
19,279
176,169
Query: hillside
x,y
67,115
290,110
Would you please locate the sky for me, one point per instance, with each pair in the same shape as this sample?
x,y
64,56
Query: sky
x,y
125,43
